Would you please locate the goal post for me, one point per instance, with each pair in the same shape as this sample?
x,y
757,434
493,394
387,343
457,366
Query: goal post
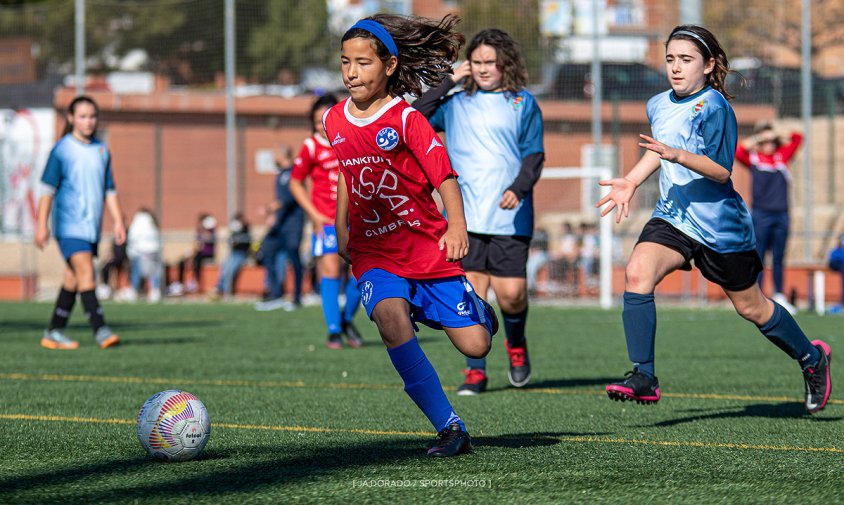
x,y
591,175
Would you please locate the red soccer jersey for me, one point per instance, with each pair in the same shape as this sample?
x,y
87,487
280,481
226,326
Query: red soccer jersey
x,y
317,160
391,162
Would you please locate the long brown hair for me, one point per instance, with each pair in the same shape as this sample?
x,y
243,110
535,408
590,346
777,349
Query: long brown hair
x,y
427,48
709,47
508,59
71,110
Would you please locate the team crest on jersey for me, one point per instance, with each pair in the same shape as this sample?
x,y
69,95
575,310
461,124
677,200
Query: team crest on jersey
x,y
387,139
698,107
516,102
366,292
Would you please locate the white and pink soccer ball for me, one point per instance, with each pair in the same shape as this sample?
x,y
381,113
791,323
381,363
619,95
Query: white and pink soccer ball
x,y
173,425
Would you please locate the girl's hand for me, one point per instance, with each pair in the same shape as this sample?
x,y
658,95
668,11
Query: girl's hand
x,y
455,242
462,71
665,152
42,236
620,194
319,221
509,200
119,233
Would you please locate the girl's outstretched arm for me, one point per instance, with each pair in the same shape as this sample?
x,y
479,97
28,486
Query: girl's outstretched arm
x,y
694,162
623,188
456,238
341,220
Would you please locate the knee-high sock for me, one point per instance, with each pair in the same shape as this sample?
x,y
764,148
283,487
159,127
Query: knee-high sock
x,y
784,332
422,384
329,290
352,300
93,311
639,319
514,327
62,310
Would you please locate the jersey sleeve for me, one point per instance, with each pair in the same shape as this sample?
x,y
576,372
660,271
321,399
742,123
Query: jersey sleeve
x,y
52,175
427,148
530,134
743,155
109,178
789,149
302,164
720,137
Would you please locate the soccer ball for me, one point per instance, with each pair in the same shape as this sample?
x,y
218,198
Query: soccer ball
x,y
173,425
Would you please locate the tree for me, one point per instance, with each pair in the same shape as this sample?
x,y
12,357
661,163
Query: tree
x,y
519,18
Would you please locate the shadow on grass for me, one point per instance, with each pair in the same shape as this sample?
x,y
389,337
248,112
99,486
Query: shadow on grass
x,y
242,470
561,384
766,410
40,324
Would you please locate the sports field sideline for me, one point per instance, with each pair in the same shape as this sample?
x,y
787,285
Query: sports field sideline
x,y
294,422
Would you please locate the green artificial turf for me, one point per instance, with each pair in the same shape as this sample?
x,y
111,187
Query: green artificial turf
x,y
294,422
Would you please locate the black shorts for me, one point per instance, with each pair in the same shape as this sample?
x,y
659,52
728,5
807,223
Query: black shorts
x,y
499,255
732,271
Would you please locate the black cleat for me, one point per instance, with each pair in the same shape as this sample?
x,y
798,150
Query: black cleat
x,y
451,442
475,383
637,387
490,312
817,378
352,335
519,373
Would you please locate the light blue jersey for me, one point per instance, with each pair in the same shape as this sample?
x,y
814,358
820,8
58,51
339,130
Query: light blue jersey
x,y
711,213
79,176
487,135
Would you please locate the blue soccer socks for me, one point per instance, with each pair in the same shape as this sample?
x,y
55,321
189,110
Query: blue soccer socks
x,y
352,300
639,319
784,332
329,290
422,384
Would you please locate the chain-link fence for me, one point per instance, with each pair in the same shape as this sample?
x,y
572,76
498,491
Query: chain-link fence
x,y
172,51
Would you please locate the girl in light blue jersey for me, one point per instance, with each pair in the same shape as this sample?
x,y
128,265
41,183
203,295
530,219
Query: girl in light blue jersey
x,y
699,217
77,185
493,131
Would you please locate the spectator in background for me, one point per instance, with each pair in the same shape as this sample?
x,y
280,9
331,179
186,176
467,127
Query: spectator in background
x,y
144,253
836,262
589,253
566,257
240,242
115,265
767,154
203,251
282,241
537,258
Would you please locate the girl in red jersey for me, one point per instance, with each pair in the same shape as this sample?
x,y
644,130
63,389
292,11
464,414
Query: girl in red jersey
x,y
317,160
404,253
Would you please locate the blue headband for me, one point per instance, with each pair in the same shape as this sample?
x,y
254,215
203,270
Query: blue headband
x,y
381,33
694,36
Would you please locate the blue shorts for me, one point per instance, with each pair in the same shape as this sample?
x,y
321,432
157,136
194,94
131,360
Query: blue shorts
x,y
71,246
449,302
325,244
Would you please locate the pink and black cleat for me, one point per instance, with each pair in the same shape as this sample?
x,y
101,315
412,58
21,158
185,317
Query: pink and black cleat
x,y
817,379
636,386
